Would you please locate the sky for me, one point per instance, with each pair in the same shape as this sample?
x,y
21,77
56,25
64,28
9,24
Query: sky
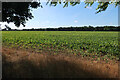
x,y
76,16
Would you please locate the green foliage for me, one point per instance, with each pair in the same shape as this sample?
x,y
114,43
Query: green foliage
x,y
85,43
102,5
18,12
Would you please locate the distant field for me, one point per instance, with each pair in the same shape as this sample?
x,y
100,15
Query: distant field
x,y
85,43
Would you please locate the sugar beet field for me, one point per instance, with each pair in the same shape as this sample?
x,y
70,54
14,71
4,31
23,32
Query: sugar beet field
x,y
99,45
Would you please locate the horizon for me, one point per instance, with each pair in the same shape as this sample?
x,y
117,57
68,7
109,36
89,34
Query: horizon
x,y
59,27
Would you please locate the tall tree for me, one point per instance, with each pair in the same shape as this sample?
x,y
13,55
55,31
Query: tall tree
x,y
18,12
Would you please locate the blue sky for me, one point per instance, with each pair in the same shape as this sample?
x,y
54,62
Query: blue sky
x,y
53,17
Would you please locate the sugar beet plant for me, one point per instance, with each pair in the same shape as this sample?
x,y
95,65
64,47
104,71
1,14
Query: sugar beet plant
x,y
79,42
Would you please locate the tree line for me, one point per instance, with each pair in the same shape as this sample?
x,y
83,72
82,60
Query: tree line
x,y
84,28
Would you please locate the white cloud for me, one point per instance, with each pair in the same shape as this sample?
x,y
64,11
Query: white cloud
x,y
111,23
11,25
89,7
75,21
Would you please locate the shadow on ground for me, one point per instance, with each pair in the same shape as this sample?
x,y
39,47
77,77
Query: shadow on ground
x,y
47,68
23,64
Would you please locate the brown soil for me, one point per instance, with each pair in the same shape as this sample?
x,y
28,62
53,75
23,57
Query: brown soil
x,y
24,64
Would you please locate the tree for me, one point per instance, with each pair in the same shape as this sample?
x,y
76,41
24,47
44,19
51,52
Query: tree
x,y
102,6
20,12
7,27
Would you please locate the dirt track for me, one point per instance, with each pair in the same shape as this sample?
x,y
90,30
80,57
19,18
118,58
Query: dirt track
x,y
23,64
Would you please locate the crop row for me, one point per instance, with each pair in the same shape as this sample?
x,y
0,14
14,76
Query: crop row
x,y
105,43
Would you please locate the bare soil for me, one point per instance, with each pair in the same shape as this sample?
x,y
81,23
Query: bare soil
x,y
24,64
